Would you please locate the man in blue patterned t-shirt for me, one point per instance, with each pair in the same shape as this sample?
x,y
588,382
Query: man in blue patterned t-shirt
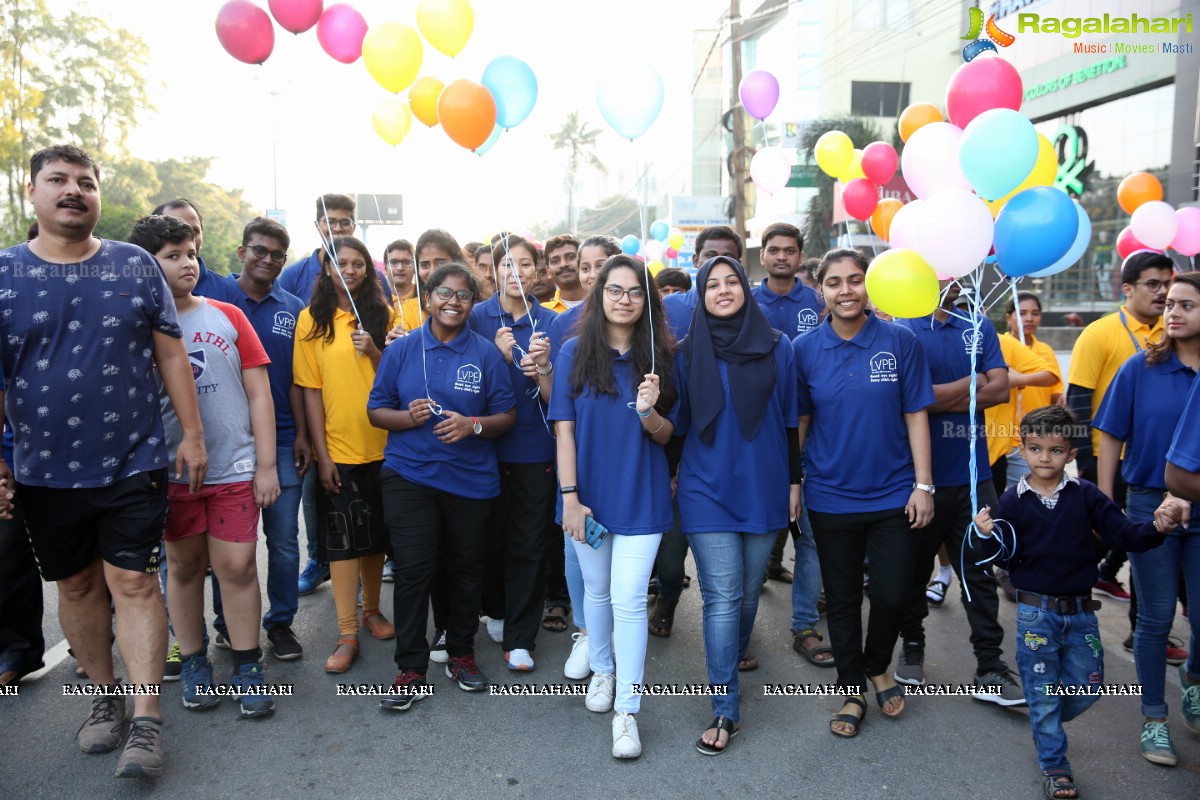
x,y
83,324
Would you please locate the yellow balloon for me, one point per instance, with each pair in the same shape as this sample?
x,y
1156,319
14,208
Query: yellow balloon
x,y
423,97
675,240
391,119
655,267
834,152
855,169
901,283
1044,171
393,54
446,24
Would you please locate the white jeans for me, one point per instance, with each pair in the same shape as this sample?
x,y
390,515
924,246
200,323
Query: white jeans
x,y
614,591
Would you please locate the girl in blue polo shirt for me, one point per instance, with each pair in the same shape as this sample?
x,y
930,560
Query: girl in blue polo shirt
x,y
1141,409
614,402
863,389
739,474
444,394
519,526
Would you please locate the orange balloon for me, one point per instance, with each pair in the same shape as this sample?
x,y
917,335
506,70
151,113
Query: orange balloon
x,y
423,98
1138,188
467,112
881,219
917,116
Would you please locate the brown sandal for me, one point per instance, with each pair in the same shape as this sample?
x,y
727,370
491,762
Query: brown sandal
x,y
337,663
377,624
748,663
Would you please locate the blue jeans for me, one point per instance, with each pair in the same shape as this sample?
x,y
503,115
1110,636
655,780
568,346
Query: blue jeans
x,y
1156,582
1017,467
806,581
1056,650
281,528
730,567
574,581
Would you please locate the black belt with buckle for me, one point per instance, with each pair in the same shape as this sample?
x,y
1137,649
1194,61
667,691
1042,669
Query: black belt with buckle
x,y
1069,604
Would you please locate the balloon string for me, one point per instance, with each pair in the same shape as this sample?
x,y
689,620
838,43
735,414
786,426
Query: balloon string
x,y
336,267
976,346
645,271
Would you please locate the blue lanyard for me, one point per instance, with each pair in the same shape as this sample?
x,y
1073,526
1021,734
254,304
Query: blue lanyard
x,y
1125,325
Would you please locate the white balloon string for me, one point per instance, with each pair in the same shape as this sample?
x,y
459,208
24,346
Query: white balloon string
x,y
336,267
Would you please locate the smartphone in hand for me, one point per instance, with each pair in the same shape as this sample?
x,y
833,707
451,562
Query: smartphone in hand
x,y
594,532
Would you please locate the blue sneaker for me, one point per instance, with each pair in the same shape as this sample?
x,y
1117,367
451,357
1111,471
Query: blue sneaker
x,y
248,682
1190,705
1156,744
312,577
197,679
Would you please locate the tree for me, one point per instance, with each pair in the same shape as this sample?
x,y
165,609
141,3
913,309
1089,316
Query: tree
x,y
579,141
617,216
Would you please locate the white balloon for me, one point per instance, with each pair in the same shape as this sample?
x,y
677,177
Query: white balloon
x,y
653,250
1154,224
770,169
906,224
954,233
930,160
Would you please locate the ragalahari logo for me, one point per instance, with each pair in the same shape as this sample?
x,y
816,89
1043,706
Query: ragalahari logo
x,y
994,36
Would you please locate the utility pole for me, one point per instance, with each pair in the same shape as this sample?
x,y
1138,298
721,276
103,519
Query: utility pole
x,y
739,128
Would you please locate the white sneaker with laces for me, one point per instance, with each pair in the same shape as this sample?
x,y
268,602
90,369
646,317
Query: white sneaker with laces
x,y
437,653
578,667
600,693
626,742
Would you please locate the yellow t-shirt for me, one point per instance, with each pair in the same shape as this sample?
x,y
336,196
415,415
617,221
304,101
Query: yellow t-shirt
x,y
1002,419
411,314
1040,396
345,379
1100,351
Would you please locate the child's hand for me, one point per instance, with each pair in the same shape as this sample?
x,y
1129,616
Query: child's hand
x,y
1172,514
983,522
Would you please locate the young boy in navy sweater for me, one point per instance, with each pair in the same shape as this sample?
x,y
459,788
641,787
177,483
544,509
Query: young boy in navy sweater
x,y
1053,566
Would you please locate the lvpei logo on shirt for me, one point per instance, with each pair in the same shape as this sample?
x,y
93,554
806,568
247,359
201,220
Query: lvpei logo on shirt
x,y
468,379
884,368
284,324
806,320
972,337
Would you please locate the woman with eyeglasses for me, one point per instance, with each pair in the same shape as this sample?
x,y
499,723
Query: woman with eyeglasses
x,y
520,521
614,403
443,393
339,341
435,248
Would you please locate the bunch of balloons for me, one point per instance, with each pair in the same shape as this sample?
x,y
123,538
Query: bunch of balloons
x,y
1154,224
771,167
861,172
664,243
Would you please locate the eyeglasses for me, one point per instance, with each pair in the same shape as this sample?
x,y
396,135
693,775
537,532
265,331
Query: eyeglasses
x,y
1153,285
463,295
636,295
278,256
399,262
339,224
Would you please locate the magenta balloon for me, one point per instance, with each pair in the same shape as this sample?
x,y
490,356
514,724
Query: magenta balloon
x,y
759,91
981,85
1187,237
296,16
245,31
879,162
341,31
859,198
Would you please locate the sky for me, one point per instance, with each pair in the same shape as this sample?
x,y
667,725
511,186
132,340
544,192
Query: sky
x,y
209,104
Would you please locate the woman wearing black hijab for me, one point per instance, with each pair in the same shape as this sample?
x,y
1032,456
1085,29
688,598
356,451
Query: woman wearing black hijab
x,y
739,473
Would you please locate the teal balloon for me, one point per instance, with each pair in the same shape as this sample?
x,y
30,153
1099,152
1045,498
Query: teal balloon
x,y
630,245
1082,239
512,82
630,98
660,230
997,152
491,140
1034,230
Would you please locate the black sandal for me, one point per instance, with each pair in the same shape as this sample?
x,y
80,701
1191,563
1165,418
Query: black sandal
x,y
849,719
556,622
1055,782
884,695
810,653
730,727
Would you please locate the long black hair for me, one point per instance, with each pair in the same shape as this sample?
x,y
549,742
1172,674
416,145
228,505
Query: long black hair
x,y
593,357
372,310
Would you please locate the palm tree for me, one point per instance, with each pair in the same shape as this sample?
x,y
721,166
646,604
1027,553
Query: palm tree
x,y
579,140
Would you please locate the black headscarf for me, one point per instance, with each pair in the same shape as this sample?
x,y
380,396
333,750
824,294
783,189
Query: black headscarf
x,y
745,342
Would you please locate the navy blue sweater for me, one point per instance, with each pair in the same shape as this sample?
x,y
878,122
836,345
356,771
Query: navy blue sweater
x,y
1054,546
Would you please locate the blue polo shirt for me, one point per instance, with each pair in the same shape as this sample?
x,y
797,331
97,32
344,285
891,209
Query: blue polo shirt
x,y
733,484
857,455
466,375
529,442
622,475
274,320
76,346
947,347
794,313
300,278
679,308
1185,446
562,328
218,287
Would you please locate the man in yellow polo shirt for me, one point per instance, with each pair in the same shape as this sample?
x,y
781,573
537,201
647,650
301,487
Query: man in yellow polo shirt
x,y
562,259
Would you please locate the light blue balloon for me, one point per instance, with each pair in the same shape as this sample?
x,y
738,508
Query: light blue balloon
x,y
1082,239
660,230
512,82
491,140
997,152
1034,230
630,98
630,245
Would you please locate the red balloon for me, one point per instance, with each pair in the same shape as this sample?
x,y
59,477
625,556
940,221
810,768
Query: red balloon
x,y
860,197
981,85
245,31
296,16
1127,244
879,162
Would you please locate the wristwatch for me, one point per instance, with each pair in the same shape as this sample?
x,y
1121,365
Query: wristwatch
x,y
477,426
928,488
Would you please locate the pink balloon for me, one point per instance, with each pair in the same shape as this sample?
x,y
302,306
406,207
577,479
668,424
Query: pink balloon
x,y
759,92
906,224
859,197
672,252
296,16
1187,238
879,162
981,85
930,160
1155,224
341,31
1127,243
245,31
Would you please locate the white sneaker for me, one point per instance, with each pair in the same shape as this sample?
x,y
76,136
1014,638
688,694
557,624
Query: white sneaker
x,y
438,653
519,660
600,693
495,629
578,667
626,743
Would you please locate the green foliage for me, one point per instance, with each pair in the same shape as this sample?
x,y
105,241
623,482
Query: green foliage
x,y
579,141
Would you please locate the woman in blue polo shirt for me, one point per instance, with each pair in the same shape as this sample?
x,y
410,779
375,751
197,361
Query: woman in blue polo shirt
x,y
614,402
740,463
443,393
863,389
519,525
1141,410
